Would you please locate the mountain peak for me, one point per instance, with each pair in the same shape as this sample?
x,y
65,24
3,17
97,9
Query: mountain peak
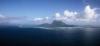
x,y
56,23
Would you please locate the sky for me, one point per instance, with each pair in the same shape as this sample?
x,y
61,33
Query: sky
x,y
41,11
33,7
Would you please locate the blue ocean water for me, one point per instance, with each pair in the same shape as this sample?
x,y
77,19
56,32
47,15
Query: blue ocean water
x,y
65,36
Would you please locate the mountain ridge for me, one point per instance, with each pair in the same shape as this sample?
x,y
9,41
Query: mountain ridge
x,y
56,23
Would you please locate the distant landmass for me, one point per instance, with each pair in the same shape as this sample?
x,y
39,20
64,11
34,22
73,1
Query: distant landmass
x,y
56,23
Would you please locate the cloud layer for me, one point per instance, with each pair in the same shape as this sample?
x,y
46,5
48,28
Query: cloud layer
x,y
88,17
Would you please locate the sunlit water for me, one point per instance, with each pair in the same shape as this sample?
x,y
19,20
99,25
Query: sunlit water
x,y
59,36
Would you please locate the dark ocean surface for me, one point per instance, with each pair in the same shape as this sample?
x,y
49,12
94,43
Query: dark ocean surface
x,y
67,36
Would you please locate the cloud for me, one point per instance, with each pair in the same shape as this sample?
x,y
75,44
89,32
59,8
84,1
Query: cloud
x,y
92,16
1,16
57,15
41,20
89,12
38,19
69,17
88,17
14,20
46,18
70,14
17,20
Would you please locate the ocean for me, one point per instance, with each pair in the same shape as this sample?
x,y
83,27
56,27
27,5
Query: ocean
x,y
60,36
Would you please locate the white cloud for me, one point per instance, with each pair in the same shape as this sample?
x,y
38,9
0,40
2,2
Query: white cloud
x,y
89,12
70,14
57,15
46,18
69,17
38,19
41,20
12,20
